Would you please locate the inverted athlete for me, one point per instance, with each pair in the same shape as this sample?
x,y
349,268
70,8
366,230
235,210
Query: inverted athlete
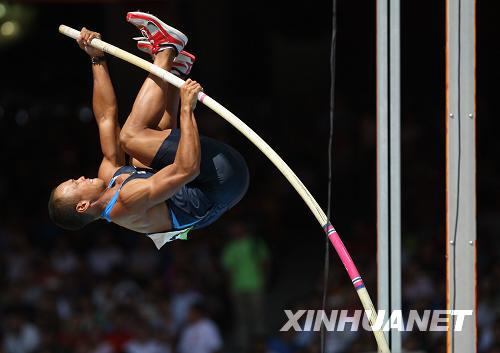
x,y
185,181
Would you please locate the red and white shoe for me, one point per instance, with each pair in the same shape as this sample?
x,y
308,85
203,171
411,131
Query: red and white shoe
x,y
182,63
144,45
159,34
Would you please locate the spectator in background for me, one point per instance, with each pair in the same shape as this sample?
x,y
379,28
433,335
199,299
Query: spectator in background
x,y
201,335
282,343
143,260
105,256
182,298
490,337
20,336
144,341
63,259
246,260
93,343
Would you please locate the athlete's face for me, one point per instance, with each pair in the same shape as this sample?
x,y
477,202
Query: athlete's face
x,y
82,188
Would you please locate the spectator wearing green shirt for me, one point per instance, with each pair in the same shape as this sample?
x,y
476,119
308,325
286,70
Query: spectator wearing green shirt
x,y
246,260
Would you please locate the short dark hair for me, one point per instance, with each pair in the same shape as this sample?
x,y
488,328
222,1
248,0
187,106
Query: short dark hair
x,y
62,211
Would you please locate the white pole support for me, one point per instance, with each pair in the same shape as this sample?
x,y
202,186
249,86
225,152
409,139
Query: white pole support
x,y
461,173
389,163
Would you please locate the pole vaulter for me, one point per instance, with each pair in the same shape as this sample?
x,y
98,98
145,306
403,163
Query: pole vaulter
x,y
328,228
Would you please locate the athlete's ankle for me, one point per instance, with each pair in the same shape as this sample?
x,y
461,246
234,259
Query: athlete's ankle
x,y
165,58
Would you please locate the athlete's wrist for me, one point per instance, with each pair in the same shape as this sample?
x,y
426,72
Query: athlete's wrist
x,y
98,59
186,109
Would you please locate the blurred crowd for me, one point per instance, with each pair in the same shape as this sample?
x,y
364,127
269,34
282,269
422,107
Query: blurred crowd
x,y
114,296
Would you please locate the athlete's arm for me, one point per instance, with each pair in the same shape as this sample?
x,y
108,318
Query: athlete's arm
x,y
186,165
105,109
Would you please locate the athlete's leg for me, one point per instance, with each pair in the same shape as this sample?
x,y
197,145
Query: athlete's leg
x,y
169,118
181,67
140,136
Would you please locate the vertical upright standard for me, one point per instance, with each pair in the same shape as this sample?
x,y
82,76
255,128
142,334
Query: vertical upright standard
x,y
461,172
389,162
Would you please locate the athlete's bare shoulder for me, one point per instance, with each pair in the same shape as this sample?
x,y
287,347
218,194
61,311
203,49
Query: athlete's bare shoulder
x,y
133,209
134,194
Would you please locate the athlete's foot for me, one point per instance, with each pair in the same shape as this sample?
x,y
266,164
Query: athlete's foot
x,y
159,34
182,65
165,58
144,46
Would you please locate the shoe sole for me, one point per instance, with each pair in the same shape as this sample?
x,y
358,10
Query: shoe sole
x,y
188,55
145,47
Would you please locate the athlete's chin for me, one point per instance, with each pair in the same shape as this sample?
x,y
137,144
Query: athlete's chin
x,y
95,185
99,183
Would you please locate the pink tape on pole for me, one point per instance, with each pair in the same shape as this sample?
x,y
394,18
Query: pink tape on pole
x,y
339,246
202,96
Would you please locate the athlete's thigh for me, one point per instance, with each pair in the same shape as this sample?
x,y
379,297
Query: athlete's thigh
x,y
145,144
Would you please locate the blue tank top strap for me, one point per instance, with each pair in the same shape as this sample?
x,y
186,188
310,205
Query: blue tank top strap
x,y
134,173
107,210
112,181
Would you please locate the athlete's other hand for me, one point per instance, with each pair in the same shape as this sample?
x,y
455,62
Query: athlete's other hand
x,y
189,94
84,40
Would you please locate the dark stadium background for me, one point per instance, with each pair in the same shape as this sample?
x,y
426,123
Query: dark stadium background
x,y
268,62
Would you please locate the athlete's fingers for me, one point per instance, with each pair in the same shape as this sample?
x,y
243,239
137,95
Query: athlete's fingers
x,y
80,42
191,88
186,86
88,35
96,35
197,88
84,34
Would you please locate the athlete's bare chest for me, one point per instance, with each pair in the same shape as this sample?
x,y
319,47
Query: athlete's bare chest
x,y
133,212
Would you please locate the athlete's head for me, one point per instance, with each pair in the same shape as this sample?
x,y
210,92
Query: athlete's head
x,y
70,202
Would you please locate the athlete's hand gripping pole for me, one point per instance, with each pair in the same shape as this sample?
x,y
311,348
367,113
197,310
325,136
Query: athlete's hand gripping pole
x,y
274,157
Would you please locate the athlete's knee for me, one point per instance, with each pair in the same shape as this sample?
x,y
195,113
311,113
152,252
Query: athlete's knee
x,y
127,135
124,138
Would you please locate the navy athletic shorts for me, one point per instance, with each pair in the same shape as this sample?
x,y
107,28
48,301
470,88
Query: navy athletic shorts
x,y
221,184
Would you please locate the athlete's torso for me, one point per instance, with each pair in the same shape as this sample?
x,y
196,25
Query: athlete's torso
x,y
127,206
222,182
